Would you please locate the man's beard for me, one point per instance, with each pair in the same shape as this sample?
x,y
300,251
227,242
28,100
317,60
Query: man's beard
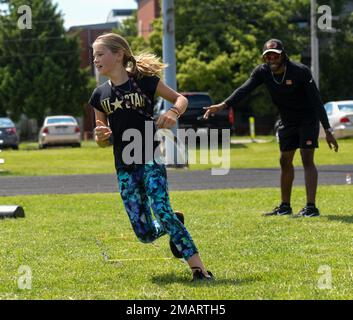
x,y
274,67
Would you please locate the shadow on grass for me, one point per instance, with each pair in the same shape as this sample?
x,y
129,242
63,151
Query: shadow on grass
x,y
30,148
232,146
345,219
238,146
170,278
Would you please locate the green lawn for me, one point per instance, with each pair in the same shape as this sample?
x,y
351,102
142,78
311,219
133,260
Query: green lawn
x,y
93,160
266,155
30,161
73,245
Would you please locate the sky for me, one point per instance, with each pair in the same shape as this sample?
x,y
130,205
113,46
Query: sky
x,y
81,12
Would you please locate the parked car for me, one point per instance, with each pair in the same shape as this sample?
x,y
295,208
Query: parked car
x,y
59,130
340,115
8,134
193,116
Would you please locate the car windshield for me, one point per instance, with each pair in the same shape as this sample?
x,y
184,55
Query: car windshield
x,y
5,123
199,101
345,107
60,120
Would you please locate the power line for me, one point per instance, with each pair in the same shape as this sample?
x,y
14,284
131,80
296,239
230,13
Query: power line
x,y
53,53
34,22
35,39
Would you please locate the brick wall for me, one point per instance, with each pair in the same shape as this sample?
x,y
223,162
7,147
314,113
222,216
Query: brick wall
x,y
88,36
148,10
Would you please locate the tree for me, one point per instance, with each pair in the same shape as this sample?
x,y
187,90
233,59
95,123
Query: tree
x,y
336,57
39,67
219,42
128,29
234,32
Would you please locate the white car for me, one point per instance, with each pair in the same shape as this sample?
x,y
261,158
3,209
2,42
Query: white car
x,y
59,130
340,116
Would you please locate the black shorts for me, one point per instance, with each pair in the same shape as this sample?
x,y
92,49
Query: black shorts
x,y
303,136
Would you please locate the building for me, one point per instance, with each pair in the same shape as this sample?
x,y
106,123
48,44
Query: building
x,y
119,15
147,11
88,34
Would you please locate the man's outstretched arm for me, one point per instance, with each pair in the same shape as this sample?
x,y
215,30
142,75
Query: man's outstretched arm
x,y
239,94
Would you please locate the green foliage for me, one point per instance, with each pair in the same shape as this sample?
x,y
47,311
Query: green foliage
x,y
155,37
128,29
219,43
336,60
40,70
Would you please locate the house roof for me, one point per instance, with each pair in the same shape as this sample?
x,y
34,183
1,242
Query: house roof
x,y
98,26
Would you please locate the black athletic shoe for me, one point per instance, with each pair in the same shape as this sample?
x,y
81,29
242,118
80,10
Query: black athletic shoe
x,y
309,212
199,276
279,211
173,248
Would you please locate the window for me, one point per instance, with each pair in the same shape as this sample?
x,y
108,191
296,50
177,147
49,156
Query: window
x,y
5,123
61,120
345,107
328,108
198,101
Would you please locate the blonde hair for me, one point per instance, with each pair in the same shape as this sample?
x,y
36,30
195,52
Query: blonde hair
x,y
144,64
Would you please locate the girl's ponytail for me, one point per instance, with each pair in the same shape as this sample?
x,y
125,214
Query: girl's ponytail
x,y
146,64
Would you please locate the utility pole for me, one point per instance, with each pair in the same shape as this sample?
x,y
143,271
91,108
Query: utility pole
x,y
314,43
168,13
169,43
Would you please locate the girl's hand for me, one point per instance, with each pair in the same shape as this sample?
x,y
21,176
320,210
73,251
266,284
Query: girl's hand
x,y
167,120
102,132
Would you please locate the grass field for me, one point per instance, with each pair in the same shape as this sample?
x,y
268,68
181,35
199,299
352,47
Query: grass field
x,y
67,242
93,160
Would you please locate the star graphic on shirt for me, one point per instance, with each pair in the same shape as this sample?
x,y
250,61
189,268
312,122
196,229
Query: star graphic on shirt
x,y
117,104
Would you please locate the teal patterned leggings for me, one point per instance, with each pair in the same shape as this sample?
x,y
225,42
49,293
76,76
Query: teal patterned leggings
x,y
145,187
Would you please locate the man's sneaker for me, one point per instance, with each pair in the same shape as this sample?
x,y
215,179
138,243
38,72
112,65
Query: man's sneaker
x,y
199,276
173,248
309,212
279,211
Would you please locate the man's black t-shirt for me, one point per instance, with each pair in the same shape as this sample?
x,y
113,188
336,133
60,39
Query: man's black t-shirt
x,y
121,118
294,93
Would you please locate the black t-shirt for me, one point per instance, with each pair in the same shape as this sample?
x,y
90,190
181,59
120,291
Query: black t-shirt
x,y
121,119
294,93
